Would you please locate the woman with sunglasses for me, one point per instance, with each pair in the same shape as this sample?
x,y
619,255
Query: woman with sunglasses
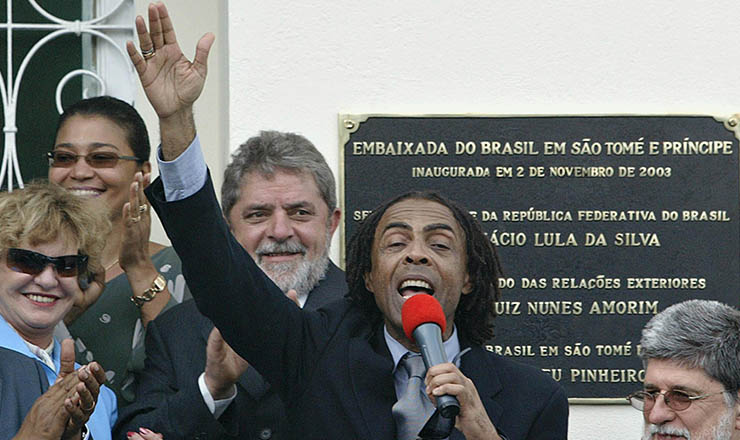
x,y
47,239
101,153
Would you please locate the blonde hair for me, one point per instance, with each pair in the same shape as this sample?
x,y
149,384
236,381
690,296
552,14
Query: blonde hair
x,y
43,212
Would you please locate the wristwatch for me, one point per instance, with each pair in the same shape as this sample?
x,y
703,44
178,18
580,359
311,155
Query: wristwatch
x,y
158,285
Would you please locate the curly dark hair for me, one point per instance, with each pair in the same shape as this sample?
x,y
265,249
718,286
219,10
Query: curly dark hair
x,y
475,311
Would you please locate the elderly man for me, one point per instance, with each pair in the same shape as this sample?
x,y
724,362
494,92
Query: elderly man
x,y
691,353
342,369
280,202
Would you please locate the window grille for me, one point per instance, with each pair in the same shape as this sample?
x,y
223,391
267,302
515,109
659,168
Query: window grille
x,y
103,26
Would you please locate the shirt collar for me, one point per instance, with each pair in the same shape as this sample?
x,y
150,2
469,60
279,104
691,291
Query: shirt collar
x,y
451,345
45,355
9,338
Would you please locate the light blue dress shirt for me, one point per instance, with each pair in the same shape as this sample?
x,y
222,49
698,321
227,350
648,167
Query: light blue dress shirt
x,y
185,175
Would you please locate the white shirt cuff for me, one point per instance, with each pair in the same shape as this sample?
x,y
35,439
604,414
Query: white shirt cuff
x,y
85,432
185,175
217,407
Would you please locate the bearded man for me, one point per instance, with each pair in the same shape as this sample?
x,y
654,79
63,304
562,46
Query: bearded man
x,y
280,202
336,367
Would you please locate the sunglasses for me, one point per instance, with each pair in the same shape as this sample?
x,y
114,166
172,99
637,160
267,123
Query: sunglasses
x,y
674,399
33,263
102,159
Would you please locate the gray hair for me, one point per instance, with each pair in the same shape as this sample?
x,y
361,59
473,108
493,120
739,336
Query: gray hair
x,y
698,334
273,151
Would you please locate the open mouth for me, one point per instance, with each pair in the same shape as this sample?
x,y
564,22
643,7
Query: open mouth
x,y
412,287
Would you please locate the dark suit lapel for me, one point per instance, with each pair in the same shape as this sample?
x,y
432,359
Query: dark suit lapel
x,y
478,367
331,288
371,373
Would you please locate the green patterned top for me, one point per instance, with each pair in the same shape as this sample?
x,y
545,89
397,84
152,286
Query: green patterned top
x,y
111,333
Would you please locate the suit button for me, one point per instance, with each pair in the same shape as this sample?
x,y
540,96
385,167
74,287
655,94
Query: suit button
x,y
266,434
201,436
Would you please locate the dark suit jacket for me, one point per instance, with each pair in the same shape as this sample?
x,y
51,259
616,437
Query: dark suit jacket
x,y
168,397
331,366
22,381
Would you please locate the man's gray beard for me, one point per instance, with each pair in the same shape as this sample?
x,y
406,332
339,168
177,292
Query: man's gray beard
x,y
302,275
722,431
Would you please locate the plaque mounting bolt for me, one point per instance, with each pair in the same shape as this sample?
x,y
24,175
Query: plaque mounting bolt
x,y
349,124
733,124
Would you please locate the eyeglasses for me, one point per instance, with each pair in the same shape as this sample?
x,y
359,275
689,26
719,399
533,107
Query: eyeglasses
x,y
101,159
675,399
33,263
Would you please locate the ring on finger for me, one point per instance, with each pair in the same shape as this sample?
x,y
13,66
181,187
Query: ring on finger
x,y
88,410
143,208
148,53
135,219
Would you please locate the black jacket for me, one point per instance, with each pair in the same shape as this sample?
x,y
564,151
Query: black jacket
x,y
169,399
331,366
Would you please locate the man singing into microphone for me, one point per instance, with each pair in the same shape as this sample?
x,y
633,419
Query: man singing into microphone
x,y
346,371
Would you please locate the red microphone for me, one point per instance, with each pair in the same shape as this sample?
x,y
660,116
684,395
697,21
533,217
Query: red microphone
x,y
424,322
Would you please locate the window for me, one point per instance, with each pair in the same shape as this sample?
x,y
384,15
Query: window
x,y
55,53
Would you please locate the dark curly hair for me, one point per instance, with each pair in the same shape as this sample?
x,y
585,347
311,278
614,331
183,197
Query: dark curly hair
x,y
475,311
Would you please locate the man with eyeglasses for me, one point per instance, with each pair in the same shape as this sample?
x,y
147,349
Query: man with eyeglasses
x,y
691,354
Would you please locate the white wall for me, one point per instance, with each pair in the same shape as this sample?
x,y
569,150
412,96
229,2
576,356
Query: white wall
x,y
296,65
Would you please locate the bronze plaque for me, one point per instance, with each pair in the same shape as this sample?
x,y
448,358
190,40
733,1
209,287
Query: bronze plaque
x,y
600,223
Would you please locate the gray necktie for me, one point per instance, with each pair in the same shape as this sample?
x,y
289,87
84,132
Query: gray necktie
x,y
413,408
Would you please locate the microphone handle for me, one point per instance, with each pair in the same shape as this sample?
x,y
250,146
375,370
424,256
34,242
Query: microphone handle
x,y
429,338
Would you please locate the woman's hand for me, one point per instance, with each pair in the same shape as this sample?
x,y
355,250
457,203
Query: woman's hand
x,y
62,411
134,256
134,253
144,434
82,404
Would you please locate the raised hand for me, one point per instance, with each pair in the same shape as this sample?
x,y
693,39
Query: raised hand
x,y
223,366
137,226
134,255
171,82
